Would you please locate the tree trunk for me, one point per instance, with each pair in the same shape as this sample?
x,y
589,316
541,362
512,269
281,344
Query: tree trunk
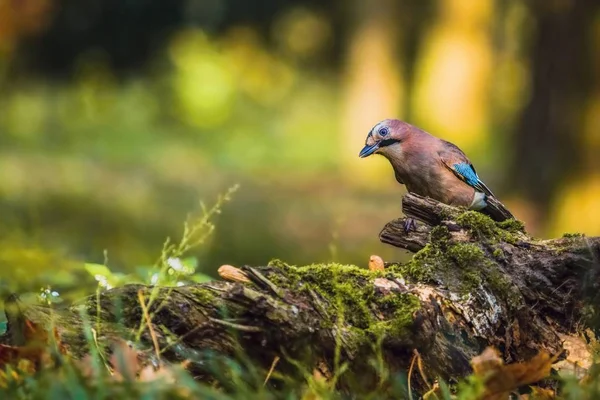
x,y
472,283
548,142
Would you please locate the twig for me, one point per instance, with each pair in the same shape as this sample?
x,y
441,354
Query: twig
x,y
273,364
261,279
420,366
412,364
244,328
148,322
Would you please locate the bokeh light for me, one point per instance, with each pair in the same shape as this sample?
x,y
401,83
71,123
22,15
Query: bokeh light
x,y
109,134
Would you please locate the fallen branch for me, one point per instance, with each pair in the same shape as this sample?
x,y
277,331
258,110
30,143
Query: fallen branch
x,y
472,283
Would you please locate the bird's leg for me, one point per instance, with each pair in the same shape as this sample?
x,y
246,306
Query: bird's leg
x,y
409,224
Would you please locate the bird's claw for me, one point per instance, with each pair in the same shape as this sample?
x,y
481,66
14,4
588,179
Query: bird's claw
x,y
409,225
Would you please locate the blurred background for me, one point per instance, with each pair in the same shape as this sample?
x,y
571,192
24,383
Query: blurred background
x,y
117,116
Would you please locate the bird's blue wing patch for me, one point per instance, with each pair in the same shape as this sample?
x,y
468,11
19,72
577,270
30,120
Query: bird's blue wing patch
x,y
467,172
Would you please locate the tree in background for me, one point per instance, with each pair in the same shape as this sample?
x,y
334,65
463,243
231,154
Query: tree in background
x,y
150,100
556,140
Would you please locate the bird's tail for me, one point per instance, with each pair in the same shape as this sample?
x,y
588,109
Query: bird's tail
x,y
496,210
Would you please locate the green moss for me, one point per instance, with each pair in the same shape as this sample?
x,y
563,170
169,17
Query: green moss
x,y
484,228
278,263
427,262
478,223
203,295
451,213
503,287
403,307
422,265
569,242
350,290
476,270
440,235
466,253
512,225
474,265
573,235
463,266
469,258
288,278
458,265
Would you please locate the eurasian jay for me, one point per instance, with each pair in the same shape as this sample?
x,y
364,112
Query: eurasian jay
x,y
432,167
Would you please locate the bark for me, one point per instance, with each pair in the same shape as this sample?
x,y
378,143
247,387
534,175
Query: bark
x,y
472,283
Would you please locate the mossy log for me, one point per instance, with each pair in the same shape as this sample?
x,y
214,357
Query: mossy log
x,y
472,283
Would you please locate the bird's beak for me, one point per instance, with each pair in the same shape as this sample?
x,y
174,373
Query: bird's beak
x,y
368,150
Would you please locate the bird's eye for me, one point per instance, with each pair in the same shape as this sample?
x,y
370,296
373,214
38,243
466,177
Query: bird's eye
x,y
383,131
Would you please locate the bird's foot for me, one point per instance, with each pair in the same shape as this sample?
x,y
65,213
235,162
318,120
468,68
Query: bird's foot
x,y
409,225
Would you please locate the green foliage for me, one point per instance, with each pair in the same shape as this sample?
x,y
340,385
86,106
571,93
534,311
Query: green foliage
x,y
470,388
583,389
98,163
171,268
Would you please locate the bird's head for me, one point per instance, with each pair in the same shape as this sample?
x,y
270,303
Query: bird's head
x,y
387,136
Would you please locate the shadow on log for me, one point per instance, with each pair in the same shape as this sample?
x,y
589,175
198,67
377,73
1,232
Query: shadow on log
x,y
472,283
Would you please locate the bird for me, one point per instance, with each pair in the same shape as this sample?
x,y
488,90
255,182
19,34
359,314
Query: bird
x,y
432,167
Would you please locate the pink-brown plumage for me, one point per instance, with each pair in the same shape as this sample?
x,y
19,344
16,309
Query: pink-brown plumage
x,y
428,166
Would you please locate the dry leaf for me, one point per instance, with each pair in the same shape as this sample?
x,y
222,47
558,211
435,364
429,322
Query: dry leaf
x,y
321,372
435,393
86,366
35,349
500,379
538,393
579,357
231,273
124,360
376,263
149,373
488,360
